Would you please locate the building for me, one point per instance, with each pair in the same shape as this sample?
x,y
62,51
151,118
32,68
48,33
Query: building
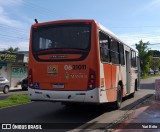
x,y
14,67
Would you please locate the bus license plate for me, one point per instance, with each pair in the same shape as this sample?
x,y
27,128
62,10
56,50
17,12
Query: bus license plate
x,y
58,85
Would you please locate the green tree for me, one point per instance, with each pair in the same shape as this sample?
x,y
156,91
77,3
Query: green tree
x,y
155,63
156,53
12,50
145,56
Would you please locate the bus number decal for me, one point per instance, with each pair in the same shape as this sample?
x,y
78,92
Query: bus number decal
x,y
75,67
79,67
67,67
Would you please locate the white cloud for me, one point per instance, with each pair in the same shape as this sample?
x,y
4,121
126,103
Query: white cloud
x,y
13,31
133,38
6,20
6,16
10,2
23,45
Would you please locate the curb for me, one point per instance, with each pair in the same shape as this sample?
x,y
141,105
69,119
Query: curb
x,y
111,127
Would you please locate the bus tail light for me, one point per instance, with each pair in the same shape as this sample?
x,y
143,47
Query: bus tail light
x,y
30,78
91,79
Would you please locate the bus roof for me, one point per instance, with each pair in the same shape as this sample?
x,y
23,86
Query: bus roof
x,y
63,21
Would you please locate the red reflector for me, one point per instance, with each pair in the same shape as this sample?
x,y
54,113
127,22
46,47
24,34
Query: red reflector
x,y
30,78
92,81
92,76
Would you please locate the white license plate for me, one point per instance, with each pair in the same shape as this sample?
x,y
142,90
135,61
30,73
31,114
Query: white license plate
x,y
58,85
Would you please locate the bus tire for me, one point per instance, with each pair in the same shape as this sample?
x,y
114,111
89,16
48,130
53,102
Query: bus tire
x,y
117,104
136,88
132,95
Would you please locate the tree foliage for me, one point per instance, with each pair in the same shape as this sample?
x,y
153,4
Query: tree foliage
x,y
156,53
155,64
12,50
144,55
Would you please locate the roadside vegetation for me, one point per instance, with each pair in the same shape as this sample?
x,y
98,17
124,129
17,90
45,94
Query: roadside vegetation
x,y
149,60
149,76
14,100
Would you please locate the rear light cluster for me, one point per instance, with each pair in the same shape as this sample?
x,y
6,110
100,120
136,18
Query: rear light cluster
x,y
91,79
30,78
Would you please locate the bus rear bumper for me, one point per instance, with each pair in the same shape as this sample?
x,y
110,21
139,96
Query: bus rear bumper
x,y
89,96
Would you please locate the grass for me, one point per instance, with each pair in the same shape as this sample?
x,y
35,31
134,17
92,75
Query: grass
x,y
147,76
14,100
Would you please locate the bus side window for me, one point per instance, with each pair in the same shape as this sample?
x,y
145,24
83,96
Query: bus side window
x,y
136,59
114,52
121,53
133,59
104,47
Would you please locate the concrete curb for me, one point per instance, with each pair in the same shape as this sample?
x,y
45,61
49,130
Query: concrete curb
x,y
111,127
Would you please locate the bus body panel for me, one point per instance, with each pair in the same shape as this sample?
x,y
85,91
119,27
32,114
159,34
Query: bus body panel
x,y
71,75
90,96
117,74
123,78
59,74
68,81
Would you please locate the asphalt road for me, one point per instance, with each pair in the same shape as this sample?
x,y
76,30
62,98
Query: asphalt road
x,y
148,83
48,112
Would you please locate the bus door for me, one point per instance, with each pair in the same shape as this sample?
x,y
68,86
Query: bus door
x,y
128,72
139,72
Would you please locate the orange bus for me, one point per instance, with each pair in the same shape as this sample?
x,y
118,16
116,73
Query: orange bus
x,y
80,61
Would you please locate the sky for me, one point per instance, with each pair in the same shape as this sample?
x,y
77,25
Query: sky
x,y
130,20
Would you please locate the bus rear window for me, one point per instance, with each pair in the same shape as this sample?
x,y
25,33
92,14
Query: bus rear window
x,y
69,36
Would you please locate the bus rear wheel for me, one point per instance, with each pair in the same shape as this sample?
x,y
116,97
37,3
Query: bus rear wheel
x,y
117,104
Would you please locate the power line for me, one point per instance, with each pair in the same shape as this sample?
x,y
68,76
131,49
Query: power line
x,y
154,44
144,33
138,36
23,31
44,11
55,12
8,36
6,26
138,27
14,33
148,44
